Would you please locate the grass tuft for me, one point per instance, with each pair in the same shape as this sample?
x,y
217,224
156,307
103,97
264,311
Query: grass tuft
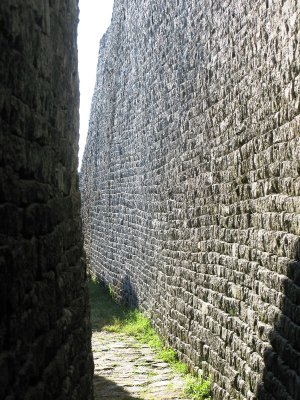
x,y
198,388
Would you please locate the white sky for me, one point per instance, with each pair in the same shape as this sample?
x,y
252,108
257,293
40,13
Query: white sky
x,y
94,19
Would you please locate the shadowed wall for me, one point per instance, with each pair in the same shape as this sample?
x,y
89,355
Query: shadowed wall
x,y
44,317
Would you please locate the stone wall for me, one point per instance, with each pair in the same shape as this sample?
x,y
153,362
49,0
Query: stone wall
x,y
191,184
44,317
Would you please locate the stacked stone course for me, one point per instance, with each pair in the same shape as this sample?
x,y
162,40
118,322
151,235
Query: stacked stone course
x,y
45,350
190,183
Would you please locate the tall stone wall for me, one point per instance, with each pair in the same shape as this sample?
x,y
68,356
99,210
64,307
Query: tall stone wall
x,y
191,185
44,318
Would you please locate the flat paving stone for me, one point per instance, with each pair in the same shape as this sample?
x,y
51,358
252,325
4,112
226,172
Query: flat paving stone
x,y
128,370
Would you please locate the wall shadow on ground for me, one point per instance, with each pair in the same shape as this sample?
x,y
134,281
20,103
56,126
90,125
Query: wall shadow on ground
x,y
128,294
108,305
281,379
107,389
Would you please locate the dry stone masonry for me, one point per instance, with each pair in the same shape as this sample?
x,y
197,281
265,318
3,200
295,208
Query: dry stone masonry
x,y
190,183
45,349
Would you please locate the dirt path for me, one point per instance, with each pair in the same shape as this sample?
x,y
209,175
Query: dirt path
x,y
127,369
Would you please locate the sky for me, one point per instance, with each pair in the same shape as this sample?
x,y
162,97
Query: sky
x,y
94,19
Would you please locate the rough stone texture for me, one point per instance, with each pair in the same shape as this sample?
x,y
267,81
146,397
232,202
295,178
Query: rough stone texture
x,y
191,183
44,317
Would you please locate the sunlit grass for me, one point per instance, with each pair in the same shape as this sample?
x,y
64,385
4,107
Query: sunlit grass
x,y
198,388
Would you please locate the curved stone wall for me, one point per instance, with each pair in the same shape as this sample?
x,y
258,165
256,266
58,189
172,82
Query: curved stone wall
x,y
45,335
190,183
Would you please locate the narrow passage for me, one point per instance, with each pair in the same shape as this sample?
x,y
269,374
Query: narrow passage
x,y
125,368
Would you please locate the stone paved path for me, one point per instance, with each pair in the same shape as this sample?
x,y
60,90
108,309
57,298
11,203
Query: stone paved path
x,y
127,369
